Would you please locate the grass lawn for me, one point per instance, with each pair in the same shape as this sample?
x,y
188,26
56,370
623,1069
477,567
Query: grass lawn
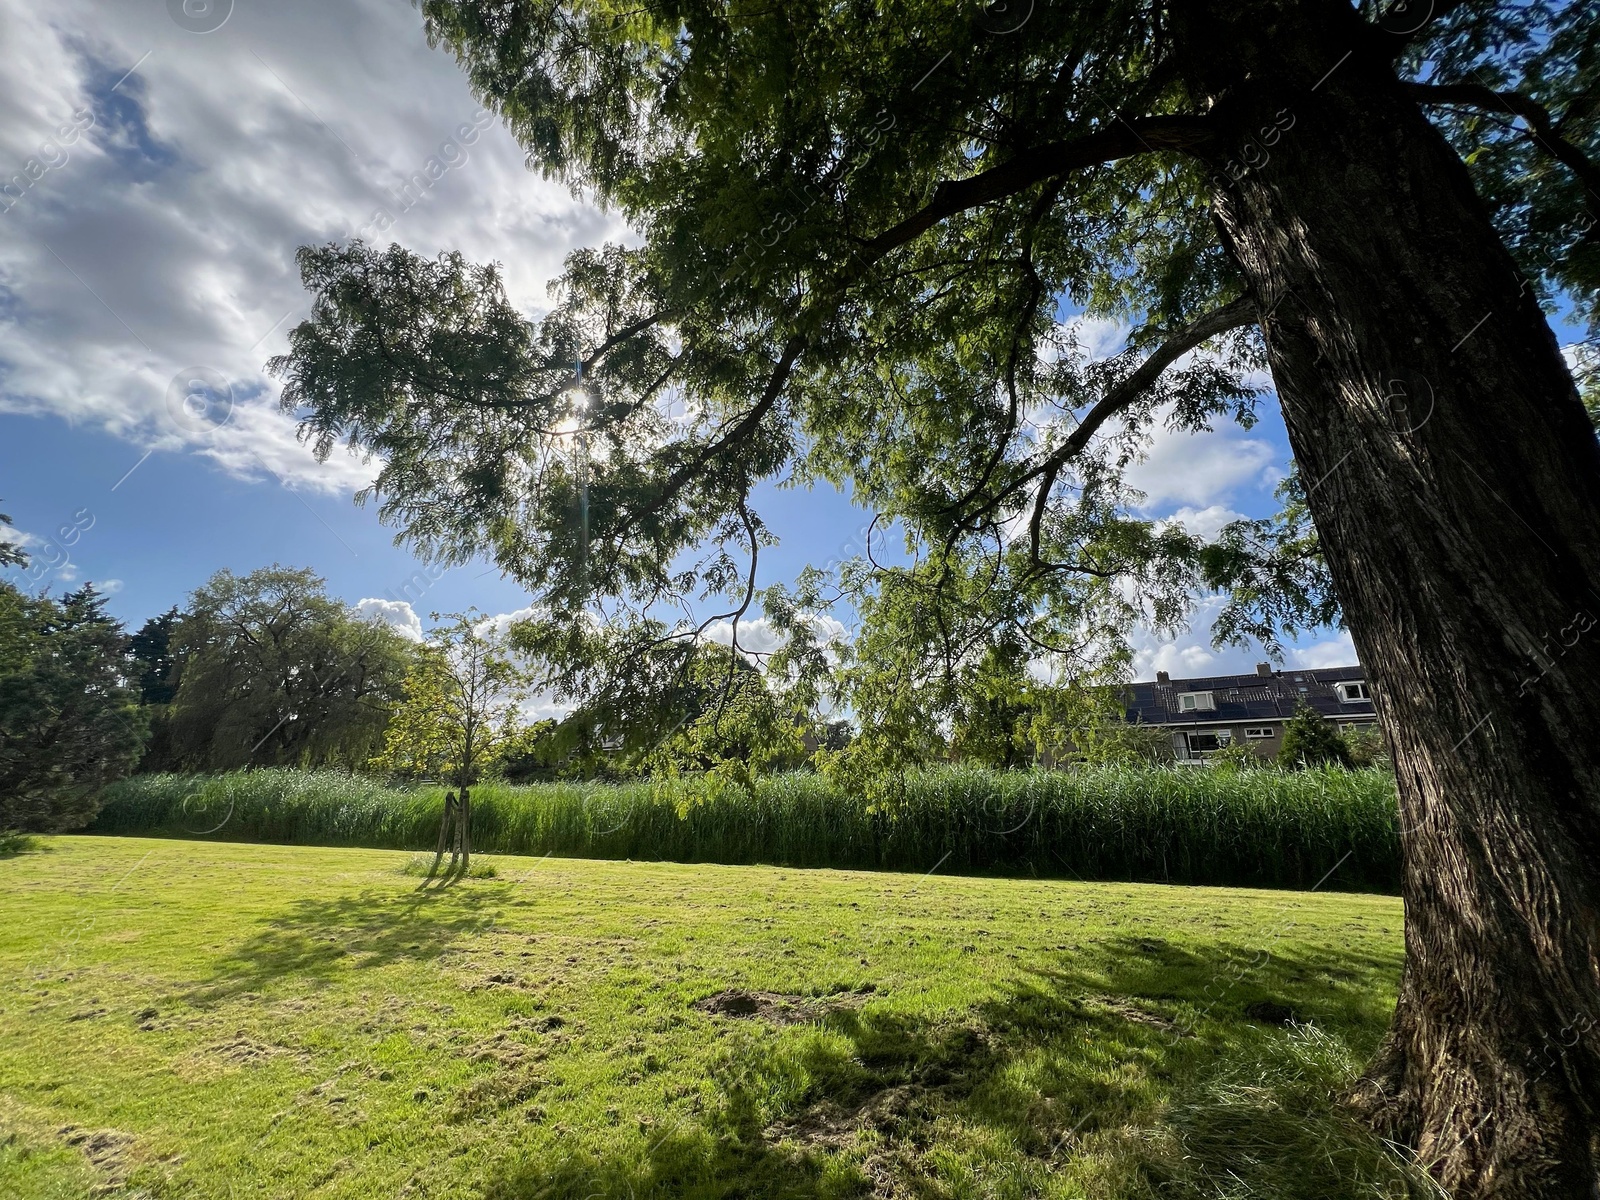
x,y
210,1019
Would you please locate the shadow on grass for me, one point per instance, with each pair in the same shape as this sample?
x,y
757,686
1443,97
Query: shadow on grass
x,y
1132,1074
315,939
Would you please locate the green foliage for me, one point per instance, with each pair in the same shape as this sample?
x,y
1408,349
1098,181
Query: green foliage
x,y
730,729
1263,828
1086,722
1272,573
460,706
69,716
993,715
154,659
11,553
1238,755
13,843
857,231
156,664
1366,746
1310,740
273,671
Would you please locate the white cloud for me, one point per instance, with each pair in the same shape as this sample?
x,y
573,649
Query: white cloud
x,y
1203,523
1097,337
1177,658
1201,469
109,587
397,614
758,635
1191,652
162,238
1335,652
501,622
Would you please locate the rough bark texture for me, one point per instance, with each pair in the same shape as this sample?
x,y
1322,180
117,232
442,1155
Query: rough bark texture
x,y
1455,485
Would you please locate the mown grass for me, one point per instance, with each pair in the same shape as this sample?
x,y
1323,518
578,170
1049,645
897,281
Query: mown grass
x,y
1257,829
213,1020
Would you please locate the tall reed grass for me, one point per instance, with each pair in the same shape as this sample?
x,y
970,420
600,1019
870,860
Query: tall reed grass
x,y
1300,829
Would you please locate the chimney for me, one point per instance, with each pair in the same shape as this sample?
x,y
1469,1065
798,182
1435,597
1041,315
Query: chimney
x,y
1264,669
1163,677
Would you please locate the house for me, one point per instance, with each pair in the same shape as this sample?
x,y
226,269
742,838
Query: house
x,y
1206,714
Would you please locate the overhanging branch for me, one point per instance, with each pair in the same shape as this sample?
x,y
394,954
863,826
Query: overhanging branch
x,y
1239,313
1542,127
1144,135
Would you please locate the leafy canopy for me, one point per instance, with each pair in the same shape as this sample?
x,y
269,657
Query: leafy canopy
x,y
861,234
461,703
69,715
275,672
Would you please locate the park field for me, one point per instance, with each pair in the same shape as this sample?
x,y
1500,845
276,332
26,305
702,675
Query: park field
x,y
207,1019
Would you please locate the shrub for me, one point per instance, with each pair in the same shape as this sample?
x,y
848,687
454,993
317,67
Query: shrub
x,y
1309,740
1265,828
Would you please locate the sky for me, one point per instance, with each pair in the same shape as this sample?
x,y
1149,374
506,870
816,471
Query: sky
x,y
162,161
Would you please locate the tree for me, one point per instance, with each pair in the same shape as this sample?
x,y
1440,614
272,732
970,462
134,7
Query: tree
x,y
857,233
11,553
69,716
157,665
156,669
728,723
1310,740
461,702
276,672
994,715
1086,721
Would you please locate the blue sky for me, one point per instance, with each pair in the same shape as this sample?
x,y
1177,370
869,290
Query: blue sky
x,y
171,175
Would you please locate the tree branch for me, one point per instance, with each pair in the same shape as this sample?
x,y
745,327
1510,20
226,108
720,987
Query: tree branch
x,y
1125,138
1122,140
1239,313
1541,125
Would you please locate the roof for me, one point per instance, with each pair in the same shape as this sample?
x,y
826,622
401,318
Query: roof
x,y
1252,697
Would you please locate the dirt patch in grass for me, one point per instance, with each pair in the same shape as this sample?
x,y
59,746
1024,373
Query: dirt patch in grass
x,y
778,1008
1141,1016
830,1125
106,1150
222,1058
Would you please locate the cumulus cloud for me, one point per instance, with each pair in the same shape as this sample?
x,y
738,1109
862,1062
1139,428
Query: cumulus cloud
x,y
1191,653
501,622
1203,523
397,614
1097,337
760,637
158,182
1335,652
1201,470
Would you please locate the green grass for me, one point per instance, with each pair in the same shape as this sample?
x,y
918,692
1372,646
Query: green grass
x,y
188,1019
1255,829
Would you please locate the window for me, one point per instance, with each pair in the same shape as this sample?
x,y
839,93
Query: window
x,y
1202,743
1258,731
1196,702
1352,693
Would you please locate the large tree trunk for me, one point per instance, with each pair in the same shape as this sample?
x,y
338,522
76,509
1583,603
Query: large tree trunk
x,y
1455,486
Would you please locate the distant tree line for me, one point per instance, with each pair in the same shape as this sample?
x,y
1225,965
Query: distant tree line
x,y
268,670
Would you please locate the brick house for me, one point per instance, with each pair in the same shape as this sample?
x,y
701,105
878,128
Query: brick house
x,y
1206,714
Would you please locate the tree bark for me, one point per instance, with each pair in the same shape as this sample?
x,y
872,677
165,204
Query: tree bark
x,y
445,821
1455,485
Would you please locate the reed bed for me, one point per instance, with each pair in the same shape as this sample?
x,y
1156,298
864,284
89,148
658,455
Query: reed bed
x,y
1330,828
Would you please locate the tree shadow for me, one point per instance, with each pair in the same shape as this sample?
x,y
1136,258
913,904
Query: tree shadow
x,y
315,939
1139,1059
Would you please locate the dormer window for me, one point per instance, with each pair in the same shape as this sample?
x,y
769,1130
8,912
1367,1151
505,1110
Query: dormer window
x,y
1353,693
1196,702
